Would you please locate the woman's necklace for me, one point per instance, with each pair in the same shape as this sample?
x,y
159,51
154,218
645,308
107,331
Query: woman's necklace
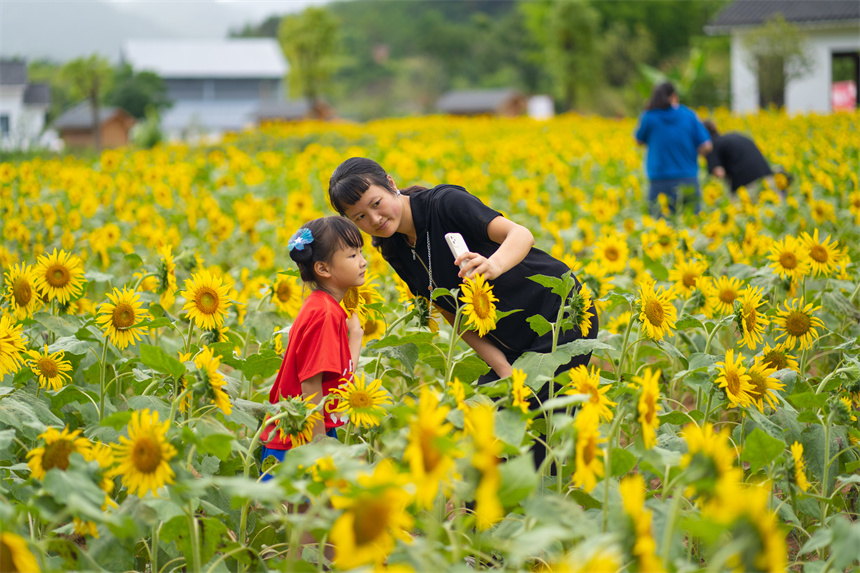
x,y
429,266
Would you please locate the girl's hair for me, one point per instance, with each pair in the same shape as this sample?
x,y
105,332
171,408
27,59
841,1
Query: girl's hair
x,y
660,97
351,180
329,235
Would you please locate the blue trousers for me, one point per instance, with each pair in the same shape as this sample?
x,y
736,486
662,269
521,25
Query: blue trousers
x,y
281,454
690,194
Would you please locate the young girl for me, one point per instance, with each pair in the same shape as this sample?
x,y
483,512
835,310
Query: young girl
x,y
323,342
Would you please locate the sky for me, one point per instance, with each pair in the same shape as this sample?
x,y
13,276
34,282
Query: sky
x,y
61,30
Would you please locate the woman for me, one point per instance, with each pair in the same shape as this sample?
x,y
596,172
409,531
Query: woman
x,y
409,226
674,135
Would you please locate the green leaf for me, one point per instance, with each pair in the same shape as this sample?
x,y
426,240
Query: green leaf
x,y
98,277
133,260
808,400
673,351
6,438
264,364
60,325
540,367
562,402
585,500
156,323
437,292
519,479
151,403
160,361
760,449
217,444
547,281
686,322
469,368
117,420
510,427
539,324
622,461
679,418
70,345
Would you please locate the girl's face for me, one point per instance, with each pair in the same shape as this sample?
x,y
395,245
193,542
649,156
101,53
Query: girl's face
x,y
346,269
378,213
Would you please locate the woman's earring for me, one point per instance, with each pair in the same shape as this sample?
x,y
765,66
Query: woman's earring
x,y
397,192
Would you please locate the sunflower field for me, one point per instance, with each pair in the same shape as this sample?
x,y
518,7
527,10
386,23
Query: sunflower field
x,y
146,303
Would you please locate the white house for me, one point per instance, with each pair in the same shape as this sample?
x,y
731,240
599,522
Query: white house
x,y
23,106
831,28
216,85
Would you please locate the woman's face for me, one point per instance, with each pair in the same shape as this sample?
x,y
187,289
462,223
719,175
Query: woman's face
x,y
377,213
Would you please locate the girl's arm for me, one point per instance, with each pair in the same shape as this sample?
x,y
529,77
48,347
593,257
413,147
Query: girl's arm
x,y
514,241
313,387
488,351
353,325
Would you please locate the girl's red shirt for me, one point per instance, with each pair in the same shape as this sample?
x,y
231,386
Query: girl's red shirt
x,y
318,343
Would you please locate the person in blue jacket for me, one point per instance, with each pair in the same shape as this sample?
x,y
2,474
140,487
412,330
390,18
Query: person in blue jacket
x,y
674,136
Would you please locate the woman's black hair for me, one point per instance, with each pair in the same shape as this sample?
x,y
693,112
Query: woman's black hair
x,y
661,96
712,128
329,235
351,180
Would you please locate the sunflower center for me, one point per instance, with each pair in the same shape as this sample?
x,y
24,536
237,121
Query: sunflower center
x,y
207,300
146,454
57,455
481,304
371,328
654,312
57,276
22,292
733,382
429,453
689,279
360,399
728,296
590,449
371,519
6,553
48,367
788,260
285,292
351,298
611,253
775,360
818,253
750,318
123,316
797,323
650,411
759,384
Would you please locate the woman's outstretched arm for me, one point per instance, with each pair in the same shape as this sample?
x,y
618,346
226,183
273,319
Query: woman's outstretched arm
x,y
514,241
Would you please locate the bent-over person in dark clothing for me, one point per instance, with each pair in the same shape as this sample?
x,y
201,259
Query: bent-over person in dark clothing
x,y
736,159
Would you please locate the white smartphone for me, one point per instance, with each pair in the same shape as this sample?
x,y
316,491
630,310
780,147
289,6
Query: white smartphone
x,y
456,244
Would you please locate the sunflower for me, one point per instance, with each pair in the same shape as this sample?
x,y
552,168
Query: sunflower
x,y
206,300
374,329
358,298
458,393
56,451
145,454
798,323
59,276
287,295
632,490
119,317
750,322
519,391
479,308
799,466
779,358
15,556
166,277
51,369
430,451
724,293
618,324
589,458
712,453
764,385
374,515
303,432
11,346
580,309
479,423
611,252
789,258
735,380
823,255
656,311
649,405
207,364
686,274
361,402
583,381
21,290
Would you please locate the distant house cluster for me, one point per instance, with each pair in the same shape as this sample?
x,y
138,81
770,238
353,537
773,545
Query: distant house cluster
x,y
23,107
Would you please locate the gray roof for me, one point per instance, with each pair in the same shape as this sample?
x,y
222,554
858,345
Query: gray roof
x,y
746,13
37,94
208,115
474,101
13,72
81,116
233,58
293,109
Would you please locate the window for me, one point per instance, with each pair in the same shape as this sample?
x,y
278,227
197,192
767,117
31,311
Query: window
x,y
4,125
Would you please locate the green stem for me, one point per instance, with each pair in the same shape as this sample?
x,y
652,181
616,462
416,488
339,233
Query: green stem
x,y
175,404
624,345
102,380
143,278
194,537
823,507
455,337
153,552
620,413
670,525
388,329
711,335
188,338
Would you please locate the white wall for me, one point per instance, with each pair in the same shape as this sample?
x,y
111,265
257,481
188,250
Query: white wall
x,y
26,122
809,93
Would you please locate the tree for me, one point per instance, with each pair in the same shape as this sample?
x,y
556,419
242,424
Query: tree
x,y
90,79
567,31
136,92
777,54
310,43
